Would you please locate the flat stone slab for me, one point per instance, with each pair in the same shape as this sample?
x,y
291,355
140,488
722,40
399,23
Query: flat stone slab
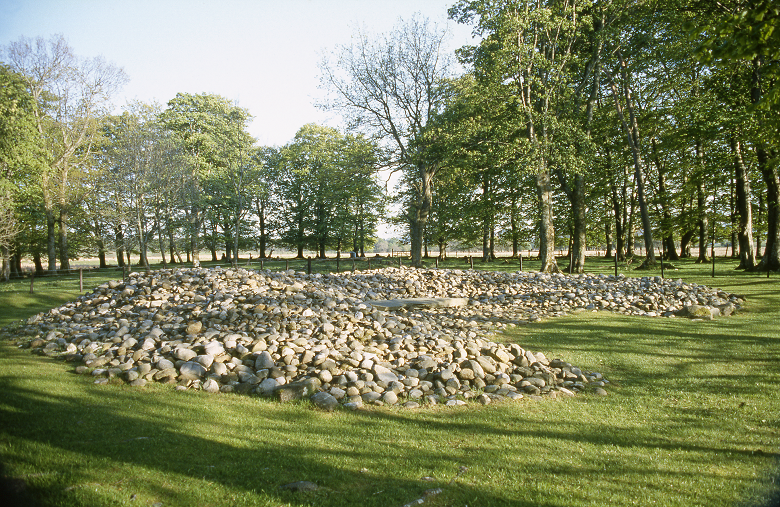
x,y
390,304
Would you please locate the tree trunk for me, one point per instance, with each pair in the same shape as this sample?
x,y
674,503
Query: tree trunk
x,y
685,243
101,253
51,240
5,273
546,226
631,129
771,258
62,237
514,228
38,262
608,254
701,207
418,215
744,210
620,213
120,247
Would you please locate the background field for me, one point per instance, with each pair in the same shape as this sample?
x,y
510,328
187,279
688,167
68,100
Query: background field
x,y
691,419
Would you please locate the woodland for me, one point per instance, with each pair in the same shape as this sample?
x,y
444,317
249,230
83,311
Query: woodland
x,y
615,125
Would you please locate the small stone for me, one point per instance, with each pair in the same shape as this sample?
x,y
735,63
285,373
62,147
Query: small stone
x,y
389,398
194,328
324,401
191,370
264,361
210,386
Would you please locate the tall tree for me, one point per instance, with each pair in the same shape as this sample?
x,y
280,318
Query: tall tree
x,y
213,132
70,94
390,87
526,58
20,153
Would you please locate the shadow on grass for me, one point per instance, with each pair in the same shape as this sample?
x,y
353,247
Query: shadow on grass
x,y
134,434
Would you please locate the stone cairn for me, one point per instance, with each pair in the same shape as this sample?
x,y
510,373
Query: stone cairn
x,y
391,336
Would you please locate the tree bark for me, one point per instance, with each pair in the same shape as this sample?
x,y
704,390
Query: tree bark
x,y
631,129
62,238
51,240
744,210
546,225
418,215
771,258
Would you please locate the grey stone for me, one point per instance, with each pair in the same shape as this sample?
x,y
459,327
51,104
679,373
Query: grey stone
x,y
324,401
210,386
384,374
191,370
184,354
264,361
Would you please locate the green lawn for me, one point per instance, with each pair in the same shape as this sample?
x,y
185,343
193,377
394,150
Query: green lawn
x,y
691,419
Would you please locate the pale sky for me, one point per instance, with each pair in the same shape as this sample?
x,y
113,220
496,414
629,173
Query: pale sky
x,y
262,54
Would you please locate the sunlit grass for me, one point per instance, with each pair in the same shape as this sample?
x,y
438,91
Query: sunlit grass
x,y
691,419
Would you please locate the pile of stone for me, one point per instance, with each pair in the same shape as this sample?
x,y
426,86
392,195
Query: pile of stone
x,y
391,336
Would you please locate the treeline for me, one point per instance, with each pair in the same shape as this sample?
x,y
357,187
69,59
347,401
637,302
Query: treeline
x,y
588,123
176,180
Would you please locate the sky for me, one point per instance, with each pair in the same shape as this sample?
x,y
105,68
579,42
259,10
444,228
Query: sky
x,y
262,54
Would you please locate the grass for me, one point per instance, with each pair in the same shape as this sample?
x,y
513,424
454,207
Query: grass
x,y
691,419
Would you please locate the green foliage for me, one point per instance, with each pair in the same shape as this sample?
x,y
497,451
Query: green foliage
x,y
328,185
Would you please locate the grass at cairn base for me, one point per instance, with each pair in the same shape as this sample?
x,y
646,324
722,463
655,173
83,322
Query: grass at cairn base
x,y
691,419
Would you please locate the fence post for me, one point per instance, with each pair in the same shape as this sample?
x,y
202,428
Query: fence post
x,y
369,263
437,263
308,266
124,273
471,262
521,261
286,264
81,279
262,261
399,261
616,262
353,265
338,265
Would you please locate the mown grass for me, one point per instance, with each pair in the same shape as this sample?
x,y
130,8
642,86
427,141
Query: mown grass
x,y
691,419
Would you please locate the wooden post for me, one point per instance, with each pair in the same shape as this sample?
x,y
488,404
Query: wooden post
x,y
308,266
338,265
81,279
713,248
286,264
662,257
471,262
616,262
369,263
124,273
262,262
521,261
437,263
399,261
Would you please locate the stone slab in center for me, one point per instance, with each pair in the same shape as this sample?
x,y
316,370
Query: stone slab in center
x,y
390,304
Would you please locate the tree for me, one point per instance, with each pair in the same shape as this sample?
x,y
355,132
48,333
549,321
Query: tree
x,y
213,133
525,62
20,152
69,95
742,31
390,87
